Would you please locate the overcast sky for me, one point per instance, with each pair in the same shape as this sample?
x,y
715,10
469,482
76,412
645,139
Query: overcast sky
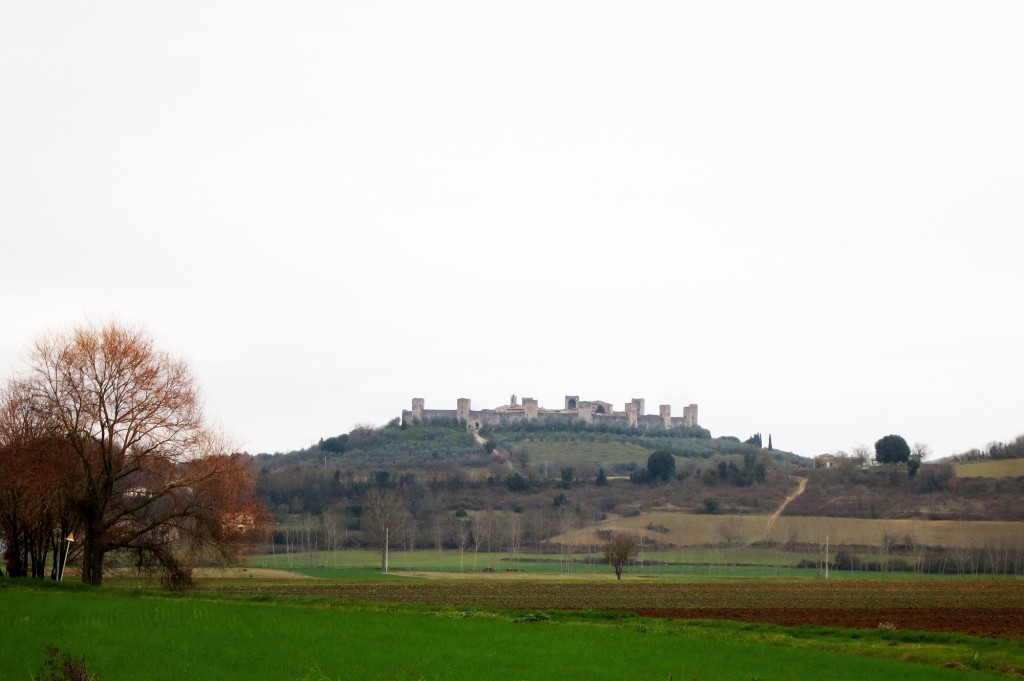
x,y
806,217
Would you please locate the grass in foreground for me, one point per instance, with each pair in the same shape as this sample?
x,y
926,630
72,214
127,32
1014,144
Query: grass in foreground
x,y
126,636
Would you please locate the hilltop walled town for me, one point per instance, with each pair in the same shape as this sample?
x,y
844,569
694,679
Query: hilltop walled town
x,y
590,412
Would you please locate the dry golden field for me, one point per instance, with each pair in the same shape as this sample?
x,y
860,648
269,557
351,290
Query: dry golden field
x,y
1001,468
685,529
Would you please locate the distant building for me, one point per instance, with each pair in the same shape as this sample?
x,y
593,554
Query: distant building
x,y
825,461
575,409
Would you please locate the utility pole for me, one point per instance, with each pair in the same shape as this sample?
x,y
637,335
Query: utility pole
x,y
826,556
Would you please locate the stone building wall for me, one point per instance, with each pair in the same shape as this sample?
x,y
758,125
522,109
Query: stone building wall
x,y
589,412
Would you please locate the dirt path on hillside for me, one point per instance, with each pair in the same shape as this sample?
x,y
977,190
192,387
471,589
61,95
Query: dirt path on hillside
x,y
775,516
500,453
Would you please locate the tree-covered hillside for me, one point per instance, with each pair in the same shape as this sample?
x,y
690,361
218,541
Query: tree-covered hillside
x,y
596,470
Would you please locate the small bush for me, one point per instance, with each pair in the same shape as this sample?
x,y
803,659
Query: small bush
x,y
60,666
533,617
176,576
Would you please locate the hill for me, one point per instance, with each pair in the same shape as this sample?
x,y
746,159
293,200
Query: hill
x,y
538,488
449,468
544,466
936,492
552,488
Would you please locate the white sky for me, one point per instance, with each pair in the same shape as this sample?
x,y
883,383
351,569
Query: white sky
x,y
804,216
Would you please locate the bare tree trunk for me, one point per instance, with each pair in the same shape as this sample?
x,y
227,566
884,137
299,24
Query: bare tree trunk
x,y
92,565
439,541
92,561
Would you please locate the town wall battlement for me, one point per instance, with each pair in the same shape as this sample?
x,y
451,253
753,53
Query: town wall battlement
x,y
575,410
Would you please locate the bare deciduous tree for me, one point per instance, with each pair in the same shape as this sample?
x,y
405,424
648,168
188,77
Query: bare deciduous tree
x,y
620,549
920,451
862,455
440,533
334,529
382,513
407,526
514,535
146,472
461,534
483,524
730,530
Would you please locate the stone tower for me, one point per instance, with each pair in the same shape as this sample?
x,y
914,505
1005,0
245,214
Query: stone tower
x,y
532,408
690,415
665,411
462,409
417,408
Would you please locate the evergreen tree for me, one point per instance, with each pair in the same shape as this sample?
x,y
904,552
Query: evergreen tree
x,y
892,449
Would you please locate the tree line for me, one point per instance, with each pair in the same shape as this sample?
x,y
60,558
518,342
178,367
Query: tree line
x,y
1013,449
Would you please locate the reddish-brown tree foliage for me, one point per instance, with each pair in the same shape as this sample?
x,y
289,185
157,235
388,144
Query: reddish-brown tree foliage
x,y
35,500
141,469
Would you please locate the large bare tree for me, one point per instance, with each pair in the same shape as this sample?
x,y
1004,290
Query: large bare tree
x,y
620,549
461,534
482,526
147,473
382,512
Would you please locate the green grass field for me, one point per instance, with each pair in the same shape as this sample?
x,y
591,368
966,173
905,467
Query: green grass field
x,y
125,636
559,453
736,560
683,563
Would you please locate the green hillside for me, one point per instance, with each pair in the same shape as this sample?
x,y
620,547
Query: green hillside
x,y
560,453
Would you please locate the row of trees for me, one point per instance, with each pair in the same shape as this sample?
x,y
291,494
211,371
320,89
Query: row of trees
x,y
387,522
1013,449
391,518
104,448
907,551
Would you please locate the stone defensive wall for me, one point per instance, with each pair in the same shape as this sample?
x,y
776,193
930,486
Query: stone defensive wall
x,y
589,412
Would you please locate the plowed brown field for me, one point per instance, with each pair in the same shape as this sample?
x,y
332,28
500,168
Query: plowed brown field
x,y
982,607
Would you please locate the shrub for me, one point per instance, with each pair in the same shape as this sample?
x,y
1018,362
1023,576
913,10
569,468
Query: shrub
x,y
661,465
60,666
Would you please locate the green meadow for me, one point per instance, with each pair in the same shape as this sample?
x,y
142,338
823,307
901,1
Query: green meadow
x,y
126,634
562,452
683,563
